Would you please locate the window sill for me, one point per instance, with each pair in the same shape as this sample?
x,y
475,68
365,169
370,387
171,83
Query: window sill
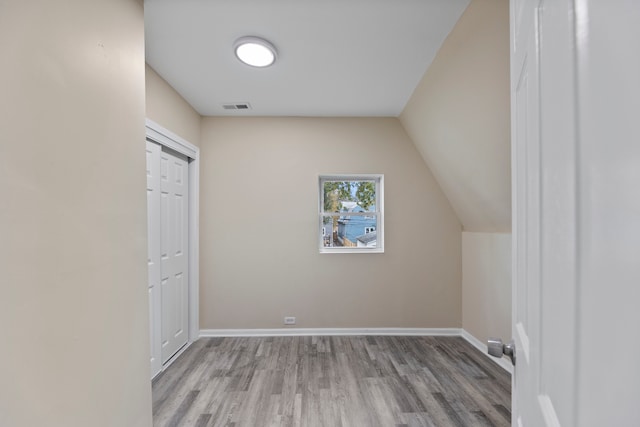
x,y
351,251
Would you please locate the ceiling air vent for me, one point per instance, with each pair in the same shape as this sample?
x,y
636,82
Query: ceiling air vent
x,y
238,106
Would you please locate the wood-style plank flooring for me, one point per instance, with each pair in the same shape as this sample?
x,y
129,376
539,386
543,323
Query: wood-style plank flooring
x,y
360,381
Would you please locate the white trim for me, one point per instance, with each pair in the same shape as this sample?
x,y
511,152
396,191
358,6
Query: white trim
x,y
378,179
329,331
194,247
352,250
162,136
351,176
301,332
165,137
504,363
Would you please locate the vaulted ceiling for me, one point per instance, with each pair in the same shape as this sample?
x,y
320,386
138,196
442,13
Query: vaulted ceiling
x,y
441,66
335,57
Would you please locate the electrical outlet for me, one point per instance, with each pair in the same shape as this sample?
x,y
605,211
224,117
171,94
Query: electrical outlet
x,y
289,320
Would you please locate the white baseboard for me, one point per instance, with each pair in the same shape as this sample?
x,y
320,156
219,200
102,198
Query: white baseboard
x,y
504,363
329,331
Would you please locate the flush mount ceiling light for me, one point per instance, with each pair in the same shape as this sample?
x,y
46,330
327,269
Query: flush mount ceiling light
x,y
255,51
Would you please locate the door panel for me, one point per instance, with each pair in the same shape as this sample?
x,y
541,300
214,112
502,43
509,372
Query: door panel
x,y
559,157
167,206
526,214
154,253
576,213
608,66
544,213
174,202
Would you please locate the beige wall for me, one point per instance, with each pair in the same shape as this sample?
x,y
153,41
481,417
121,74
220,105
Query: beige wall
x,y
459,117
73,297
166,107
259,249
486,284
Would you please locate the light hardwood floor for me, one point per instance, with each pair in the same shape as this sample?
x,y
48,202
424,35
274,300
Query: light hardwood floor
x,y
361,381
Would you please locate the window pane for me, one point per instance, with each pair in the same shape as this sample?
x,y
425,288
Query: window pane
x,y
350,231
349,196
351,213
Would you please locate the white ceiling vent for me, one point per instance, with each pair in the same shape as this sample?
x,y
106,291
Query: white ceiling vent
x,y
238,106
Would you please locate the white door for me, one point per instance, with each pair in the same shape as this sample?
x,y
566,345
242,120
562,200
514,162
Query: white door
x,y
576,212
167,221
525,151
174,252
153,249
544,213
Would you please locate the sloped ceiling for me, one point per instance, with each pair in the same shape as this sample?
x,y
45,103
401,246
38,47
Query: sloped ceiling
x,y
459,117
335,57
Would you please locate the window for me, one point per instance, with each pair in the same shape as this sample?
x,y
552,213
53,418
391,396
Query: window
x,y
351,208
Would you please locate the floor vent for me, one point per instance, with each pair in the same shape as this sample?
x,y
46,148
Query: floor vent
x,y
240,106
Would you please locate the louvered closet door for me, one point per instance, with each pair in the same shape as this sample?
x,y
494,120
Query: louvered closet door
x,y
174,252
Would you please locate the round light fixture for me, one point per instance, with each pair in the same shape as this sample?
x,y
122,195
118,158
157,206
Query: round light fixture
x,y
255,51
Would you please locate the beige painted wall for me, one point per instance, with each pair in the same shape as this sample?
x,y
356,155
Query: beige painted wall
x,y
73,297
459,117
166,107
486,285
259,249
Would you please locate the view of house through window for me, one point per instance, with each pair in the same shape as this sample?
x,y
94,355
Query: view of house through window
x,y
351,213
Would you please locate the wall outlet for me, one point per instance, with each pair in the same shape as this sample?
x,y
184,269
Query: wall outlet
x,y
289,320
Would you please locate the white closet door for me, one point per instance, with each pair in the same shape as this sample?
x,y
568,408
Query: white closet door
x,y
153,250
174,252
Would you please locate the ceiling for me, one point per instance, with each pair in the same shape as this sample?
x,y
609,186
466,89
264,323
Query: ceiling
x,y
335,57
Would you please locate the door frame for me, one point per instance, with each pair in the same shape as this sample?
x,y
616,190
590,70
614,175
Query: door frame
x,y
166,138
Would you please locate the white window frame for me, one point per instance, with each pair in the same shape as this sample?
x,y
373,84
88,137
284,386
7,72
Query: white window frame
x,y
378,179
